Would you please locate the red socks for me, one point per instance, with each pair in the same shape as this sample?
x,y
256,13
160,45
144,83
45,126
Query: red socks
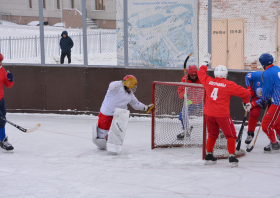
x,y
231,145
210,145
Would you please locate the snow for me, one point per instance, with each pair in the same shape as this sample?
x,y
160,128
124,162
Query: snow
x,y
58,25
60,160
34,23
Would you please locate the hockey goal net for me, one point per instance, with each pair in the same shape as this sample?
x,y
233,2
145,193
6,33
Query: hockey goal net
x,y
178,119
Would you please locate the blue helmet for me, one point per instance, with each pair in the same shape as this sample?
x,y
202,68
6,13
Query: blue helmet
x,y
266,59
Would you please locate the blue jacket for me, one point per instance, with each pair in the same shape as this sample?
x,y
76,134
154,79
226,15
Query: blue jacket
x,y
66,43
254,80
271,84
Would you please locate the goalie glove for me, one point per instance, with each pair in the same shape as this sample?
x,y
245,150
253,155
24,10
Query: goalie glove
x,y
149,108
247,106
206,59
130,82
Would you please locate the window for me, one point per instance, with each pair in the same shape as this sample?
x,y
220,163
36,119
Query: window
x,y
44,4
99,5
57,4
30,3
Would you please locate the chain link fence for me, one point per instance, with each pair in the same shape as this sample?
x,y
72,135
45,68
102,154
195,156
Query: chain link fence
x,y
20,32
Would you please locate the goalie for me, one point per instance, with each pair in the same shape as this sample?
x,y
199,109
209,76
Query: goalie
x,y
194,99
118,96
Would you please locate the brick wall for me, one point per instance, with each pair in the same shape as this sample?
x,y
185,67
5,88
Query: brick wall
x,y
260,25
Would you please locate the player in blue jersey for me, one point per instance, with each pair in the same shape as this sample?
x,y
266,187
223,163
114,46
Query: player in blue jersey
x,y
271,93
254,84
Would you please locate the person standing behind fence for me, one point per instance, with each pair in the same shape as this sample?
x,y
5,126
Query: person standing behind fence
x,y
66,43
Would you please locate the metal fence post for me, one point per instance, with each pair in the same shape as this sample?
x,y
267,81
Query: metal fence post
x,y
42,40
58,44
10,43
84,14
36,46
100,42
125,33
80,36
210,28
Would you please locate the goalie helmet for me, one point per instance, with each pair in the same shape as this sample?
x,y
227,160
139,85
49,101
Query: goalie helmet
x,y
1,57
221,71
192,70
127,77
266,59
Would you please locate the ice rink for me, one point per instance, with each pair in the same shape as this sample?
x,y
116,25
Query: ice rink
x,y
60,160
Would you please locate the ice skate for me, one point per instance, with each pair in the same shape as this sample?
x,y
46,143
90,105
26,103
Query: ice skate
x,y
181,136
221,135
210,159
250,137
99,142
277,136
6,146
233,161
272,148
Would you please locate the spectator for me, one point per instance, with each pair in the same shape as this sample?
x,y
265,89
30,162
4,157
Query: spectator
x,y
66,43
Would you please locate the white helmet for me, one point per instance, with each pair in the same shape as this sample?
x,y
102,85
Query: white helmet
x,y
221,71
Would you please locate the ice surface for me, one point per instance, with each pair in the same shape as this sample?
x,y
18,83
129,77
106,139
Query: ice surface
x,y
60,160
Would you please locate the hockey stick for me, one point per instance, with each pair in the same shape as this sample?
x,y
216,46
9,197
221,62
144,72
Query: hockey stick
x,y
185,66
250,149
185,73
22,129
239,138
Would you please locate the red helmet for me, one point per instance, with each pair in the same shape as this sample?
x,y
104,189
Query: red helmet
x,y
192,70
1,57
128,76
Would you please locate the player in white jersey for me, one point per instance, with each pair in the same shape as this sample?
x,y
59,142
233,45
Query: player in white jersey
x,y
119,95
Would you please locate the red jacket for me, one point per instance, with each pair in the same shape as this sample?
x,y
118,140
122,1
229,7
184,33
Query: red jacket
x,y
194,94
4,81
219,92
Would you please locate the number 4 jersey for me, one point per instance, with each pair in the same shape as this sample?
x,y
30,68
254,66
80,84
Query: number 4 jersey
x,y
219,92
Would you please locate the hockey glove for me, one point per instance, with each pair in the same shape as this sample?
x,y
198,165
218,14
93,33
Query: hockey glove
x,y
269,102
149,108
251,91
253,104
247,106
263,104
206,59
130,83
10,76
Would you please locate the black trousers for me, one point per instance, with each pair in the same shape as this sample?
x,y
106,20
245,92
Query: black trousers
x,y
62,57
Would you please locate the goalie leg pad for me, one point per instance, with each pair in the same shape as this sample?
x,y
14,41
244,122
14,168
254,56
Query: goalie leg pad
x,y
100,143
117,131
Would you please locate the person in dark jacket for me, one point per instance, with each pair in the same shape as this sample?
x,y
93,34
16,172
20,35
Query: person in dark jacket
x,y
66,43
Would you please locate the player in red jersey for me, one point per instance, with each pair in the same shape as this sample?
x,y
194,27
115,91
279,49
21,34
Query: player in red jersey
x,y
7,79
193,100
216,108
